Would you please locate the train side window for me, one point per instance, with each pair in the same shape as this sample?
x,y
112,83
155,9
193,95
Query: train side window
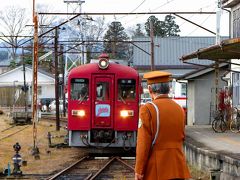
x,y
127,89
102,91
79,89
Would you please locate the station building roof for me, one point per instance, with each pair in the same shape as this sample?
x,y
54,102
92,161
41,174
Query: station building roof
x,y
227,49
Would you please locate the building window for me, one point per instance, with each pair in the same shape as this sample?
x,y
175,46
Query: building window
x,y
183,89
39,90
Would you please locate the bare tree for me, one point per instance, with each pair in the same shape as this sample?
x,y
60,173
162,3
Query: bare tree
x,y
88,31
12,21
45,22
94,31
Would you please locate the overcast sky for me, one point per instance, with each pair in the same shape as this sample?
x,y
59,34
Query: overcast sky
x,y
207,21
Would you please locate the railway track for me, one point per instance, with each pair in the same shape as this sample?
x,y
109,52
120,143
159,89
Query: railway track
x,y
5,134
52,119
89,168
8,128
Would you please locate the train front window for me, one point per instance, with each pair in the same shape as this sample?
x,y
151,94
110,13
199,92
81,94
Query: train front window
x,y
79,89
126,89
102,91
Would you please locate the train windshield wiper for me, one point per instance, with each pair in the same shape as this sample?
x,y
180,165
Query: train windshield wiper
x,y
121,98
82,98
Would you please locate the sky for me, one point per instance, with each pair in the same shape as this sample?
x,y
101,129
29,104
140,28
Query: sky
x,y
134,6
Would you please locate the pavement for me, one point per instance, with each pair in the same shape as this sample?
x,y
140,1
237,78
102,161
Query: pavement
x,y
203,136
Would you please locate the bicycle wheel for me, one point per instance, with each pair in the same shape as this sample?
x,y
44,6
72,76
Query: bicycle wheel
x,y
235,122
219,125
238,124
234,126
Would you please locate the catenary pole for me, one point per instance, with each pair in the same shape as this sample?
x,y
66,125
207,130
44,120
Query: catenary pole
x,y
152,46
35,150
56,79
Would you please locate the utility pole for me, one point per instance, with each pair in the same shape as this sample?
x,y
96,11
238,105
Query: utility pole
x,y
63,84
35,150
152,46
24,86
56,79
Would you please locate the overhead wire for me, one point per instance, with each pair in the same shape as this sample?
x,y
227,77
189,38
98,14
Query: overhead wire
x,y
166,3
189,41
133,9
200,9
200,24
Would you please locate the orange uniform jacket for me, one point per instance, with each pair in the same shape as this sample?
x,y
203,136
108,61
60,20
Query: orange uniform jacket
x,y
165,160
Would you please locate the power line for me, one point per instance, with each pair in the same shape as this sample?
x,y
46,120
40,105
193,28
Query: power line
x,y
201,24
153,10
133,9
127,13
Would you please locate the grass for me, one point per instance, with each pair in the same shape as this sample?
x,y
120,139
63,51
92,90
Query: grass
x,y
51,159
198,174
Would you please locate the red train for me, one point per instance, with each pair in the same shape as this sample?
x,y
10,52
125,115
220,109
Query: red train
x,y
103,101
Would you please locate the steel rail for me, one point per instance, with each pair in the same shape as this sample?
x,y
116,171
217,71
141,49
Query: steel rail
x,y
8,128
125,163
5,137
66,169
100,170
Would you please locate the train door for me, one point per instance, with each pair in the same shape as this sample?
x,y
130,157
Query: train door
x,y
103,101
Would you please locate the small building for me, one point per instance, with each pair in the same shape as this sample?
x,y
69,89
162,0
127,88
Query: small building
x,y
201,94
227,51
234,13
11,83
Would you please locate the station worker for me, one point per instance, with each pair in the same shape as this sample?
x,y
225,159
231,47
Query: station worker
x,y
161,156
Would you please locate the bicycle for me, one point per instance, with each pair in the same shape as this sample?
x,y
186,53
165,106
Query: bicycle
x,y
235,122
218,124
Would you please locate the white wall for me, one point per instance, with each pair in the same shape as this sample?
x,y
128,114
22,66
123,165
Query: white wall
x,y
190,103
48,91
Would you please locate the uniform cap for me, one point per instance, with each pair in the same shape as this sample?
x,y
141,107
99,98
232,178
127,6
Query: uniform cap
x,y
157,77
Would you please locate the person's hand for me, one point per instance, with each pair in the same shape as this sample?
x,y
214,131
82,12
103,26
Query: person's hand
x,y
138,176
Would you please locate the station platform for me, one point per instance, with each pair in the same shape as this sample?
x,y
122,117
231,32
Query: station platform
x,y
213,151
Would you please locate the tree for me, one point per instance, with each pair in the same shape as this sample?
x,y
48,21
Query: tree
x,y
84,31
136,31
170,28
94,32
45,23
165,28
157,26
114,38
12,21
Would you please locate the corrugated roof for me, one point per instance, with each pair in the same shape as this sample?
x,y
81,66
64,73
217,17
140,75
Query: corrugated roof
x,y
227,49
200,72
229,3
168,50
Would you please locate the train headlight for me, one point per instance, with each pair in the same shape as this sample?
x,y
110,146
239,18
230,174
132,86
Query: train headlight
x,y
103,63
80,113
126,113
